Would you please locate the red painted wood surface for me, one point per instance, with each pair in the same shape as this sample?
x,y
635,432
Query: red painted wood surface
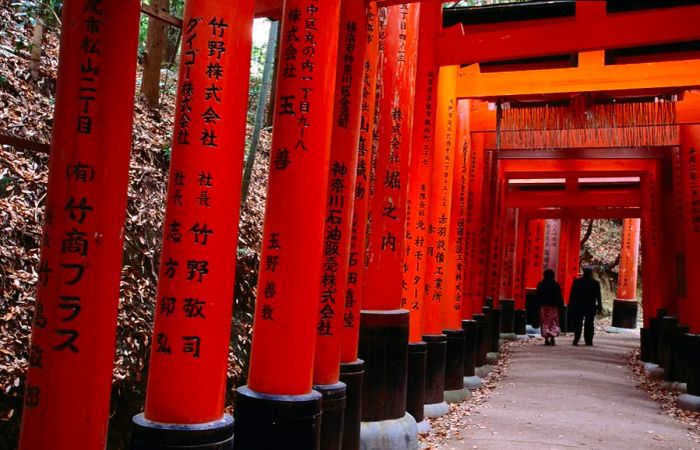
x,y
67,395
396,68
563,256
689,154
629,259
195,289
456,245
435,304
509,239
534,252
365,151
284,330
519,260
528,39
653,296
336,311
422,138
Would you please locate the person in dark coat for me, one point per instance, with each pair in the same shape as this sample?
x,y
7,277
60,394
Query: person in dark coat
x,y
584,301
549,300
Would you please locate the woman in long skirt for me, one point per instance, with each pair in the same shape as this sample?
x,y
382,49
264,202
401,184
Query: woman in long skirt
x,y
550,300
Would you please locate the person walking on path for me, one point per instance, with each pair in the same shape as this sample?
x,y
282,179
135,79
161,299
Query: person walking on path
x,y
584,300
550,300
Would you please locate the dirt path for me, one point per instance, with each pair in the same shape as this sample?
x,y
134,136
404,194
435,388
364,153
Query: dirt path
x,y
571,397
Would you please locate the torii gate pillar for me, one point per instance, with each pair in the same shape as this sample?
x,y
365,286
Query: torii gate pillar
x,y
278,407
689,260
625,305
68,387
383,343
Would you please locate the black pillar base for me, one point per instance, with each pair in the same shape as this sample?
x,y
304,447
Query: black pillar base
x,y
384,349
454,360
644,344
487,311
268,421
654,329
624,313
532,308
470,328
332,414
435,368
495,346
507,306
147,435
667,325
692,363
352,374
488,301
519,322
415,397
482,341
676,371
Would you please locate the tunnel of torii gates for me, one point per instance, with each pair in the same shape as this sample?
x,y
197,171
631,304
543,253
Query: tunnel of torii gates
x,y
426,166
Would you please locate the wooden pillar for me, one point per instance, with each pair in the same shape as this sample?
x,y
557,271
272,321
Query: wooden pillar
x,y
477,225
520,260
496,214
651,245
278,405
352,368
509,236
333,315
419,181
195,289
550,257
384,326
534,252
690,258
625,305
418,202
563,256
68,388
573,255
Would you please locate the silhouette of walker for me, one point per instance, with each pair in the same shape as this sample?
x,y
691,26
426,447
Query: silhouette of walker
x,y
550,300
584,301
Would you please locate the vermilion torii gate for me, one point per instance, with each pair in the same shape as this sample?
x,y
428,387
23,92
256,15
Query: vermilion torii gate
x,y
395,216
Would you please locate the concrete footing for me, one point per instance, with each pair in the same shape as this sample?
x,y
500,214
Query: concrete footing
x,y
618,330
423,426
483,371
492,358
457,395
689,402
399,434
674,386
473,383
653,370
434,410
509,336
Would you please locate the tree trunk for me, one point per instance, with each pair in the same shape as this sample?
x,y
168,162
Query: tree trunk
x,y
153,58
37,40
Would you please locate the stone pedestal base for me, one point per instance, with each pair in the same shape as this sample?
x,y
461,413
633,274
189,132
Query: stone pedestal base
x,y
689,402
433,410
492,358
398,434
457,396
483,371
423,426
509,337
472,383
